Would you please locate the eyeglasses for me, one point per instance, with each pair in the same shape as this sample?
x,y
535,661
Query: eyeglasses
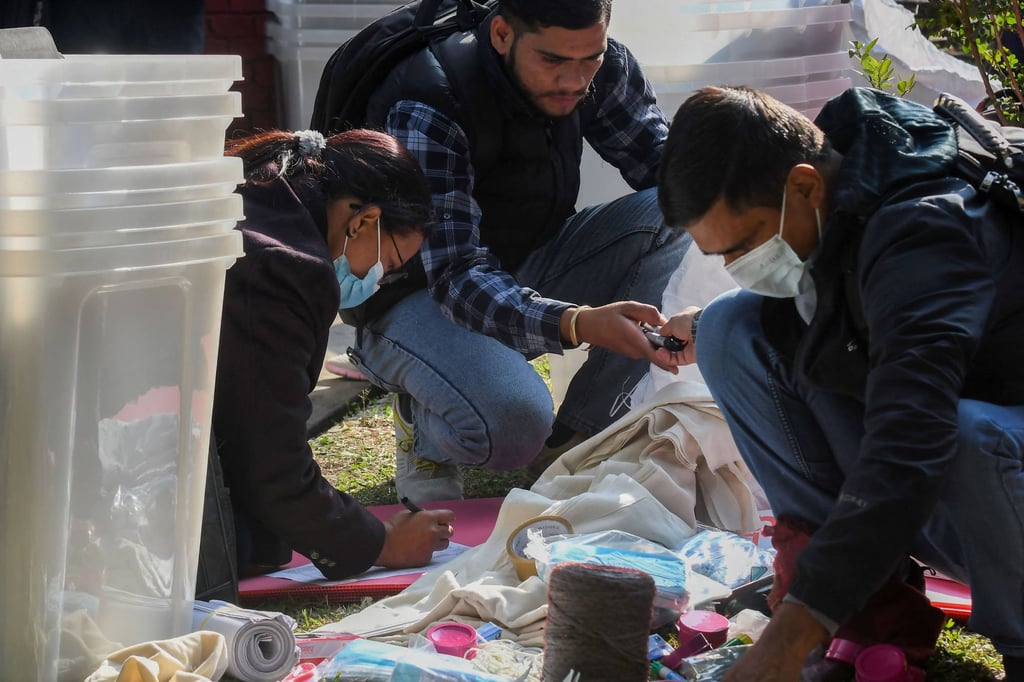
x,y
401,261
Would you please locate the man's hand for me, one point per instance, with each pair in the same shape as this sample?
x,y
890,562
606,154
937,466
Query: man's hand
x,y
779,654
616,326
413,537
680,326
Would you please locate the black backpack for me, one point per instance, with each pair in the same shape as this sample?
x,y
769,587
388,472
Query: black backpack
x,y
362,63
991,156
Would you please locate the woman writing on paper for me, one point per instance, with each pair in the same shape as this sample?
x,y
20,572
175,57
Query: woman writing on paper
x,y
325,220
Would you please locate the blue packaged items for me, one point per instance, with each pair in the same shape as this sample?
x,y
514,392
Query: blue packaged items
x,y
365,660
452,670
657,647
726,558
623,550
488,632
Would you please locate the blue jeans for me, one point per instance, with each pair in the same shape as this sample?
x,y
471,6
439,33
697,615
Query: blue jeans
x,y
479,403
798,442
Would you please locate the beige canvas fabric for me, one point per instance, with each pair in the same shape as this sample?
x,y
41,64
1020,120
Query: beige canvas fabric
x,y
656,472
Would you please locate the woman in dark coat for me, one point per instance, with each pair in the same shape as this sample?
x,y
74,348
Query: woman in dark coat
x,y
318,213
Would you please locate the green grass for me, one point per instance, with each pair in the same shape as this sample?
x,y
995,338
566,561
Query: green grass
x,y
357,455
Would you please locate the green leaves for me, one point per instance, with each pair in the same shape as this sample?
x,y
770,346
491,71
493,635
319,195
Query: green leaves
x,y
879,72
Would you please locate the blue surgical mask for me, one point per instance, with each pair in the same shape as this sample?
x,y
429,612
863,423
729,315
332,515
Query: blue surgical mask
x,y
355,290
772,269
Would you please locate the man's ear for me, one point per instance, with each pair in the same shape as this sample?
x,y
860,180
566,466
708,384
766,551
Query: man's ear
x,y
804,179
364,219
502,35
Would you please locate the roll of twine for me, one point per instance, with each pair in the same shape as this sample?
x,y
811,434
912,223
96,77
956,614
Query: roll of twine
x,y
599,619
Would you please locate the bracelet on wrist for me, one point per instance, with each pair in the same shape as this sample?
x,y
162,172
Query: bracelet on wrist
x,y
573,338
693,325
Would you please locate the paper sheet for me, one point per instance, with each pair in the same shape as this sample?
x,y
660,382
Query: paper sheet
x,y
308,573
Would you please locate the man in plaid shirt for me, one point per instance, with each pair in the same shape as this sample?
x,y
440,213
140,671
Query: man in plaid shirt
x,y
497,117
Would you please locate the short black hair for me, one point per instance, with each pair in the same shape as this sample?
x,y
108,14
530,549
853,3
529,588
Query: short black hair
x,y
737,144
532,15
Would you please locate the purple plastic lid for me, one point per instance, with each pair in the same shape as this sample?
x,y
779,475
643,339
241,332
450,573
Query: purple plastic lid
x,y
882,663
454,639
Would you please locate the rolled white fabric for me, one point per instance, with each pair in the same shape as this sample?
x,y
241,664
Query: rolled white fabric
x,y
261,644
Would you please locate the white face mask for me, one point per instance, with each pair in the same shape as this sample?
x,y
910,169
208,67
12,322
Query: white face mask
x,y
773,268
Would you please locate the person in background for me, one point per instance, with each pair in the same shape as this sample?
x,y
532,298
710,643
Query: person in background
x,y
324,221
497,117
869,367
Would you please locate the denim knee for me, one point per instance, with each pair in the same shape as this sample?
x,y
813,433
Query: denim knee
x,y
729,325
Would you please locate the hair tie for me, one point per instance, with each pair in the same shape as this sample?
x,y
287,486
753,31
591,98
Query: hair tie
x,y
311,143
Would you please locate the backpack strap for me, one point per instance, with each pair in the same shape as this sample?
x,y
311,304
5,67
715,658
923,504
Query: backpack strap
x,y
477,108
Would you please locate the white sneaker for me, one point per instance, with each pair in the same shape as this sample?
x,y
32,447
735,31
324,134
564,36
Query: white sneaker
x,y
419,479
343,366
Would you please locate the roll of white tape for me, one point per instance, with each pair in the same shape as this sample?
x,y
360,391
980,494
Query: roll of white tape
x,y
517,541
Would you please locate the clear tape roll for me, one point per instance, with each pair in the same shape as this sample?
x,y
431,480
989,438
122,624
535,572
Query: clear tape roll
x,y
518,539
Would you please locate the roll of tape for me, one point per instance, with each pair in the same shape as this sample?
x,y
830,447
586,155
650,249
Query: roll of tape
x,y
546,526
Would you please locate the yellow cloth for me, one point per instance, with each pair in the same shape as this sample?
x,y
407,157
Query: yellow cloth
x,y
196,657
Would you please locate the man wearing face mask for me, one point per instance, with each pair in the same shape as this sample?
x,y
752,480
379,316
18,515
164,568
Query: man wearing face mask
x,y
868,367
497,116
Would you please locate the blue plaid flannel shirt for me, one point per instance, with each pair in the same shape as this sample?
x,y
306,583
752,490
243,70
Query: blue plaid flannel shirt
x,y
626,128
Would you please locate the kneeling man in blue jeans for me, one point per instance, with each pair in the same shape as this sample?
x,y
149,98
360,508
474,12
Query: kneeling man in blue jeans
x,y
869,367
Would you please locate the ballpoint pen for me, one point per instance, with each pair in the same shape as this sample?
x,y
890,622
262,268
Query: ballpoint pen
x,y
410,505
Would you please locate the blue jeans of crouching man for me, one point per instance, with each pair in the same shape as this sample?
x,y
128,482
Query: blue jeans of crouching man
x,y
798,442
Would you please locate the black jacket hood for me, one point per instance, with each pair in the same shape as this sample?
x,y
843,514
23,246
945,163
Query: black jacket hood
x,y
887,143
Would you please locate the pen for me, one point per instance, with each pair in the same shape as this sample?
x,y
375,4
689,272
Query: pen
x,y
665,673
410,505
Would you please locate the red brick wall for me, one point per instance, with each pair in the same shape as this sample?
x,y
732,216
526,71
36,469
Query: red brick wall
x,y
238,27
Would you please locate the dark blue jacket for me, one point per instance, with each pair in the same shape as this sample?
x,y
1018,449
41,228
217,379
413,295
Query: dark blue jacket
x,y
279,303
920,285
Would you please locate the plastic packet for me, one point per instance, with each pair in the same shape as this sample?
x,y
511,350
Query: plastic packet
x,y
450,670
726,558
711,666
676,586
363,660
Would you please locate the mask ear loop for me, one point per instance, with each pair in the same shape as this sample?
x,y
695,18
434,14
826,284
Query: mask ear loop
x,y
378,240
782,218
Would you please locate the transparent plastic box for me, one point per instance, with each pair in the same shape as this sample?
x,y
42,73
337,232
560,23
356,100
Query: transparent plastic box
x,y
108,358
298,37
799,96
110,76
688,38
112,143
327,16
300,69
757,73
119,186
138,220
106,68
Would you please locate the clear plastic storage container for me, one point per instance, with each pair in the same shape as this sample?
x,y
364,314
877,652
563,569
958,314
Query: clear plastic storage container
x,y
108,358
119,186
349,16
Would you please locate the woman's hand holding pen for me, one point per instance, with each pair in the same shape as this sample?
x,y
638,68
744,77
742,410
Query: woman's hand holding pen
x,y
413,535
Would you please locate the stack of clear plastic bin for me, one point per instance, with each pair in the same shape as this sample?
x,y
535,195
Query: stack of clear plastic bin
x,y
795,50
116,229
302,35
